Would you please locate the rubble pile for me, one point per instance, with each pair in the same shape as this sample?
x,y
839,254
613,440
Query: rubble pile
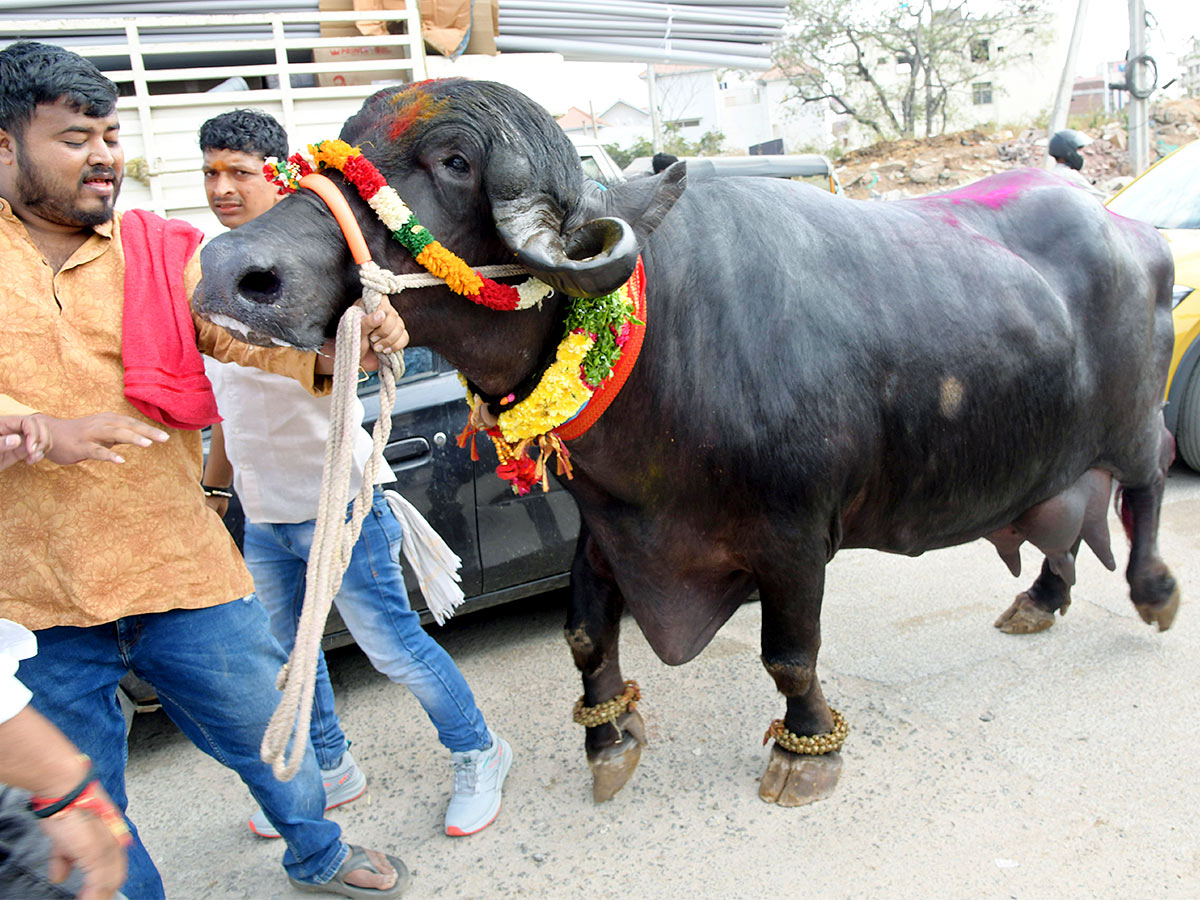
x,y
891,170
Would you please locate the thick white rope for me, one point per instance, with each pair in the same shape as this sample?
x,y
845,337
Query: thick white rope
x,y
396,283
433,563
333,536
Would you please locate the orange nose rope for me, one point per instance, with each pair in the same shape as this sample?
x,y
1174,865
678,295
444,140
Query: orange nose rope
x,y
392,284
336,201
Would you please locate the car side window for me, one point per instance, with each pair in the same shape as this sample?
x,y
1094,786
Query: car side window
x,y
419,362
591,169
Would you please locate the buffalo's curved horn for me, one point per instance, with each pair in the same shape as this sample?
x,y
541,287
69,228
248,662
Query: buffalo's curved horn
x,y
591,261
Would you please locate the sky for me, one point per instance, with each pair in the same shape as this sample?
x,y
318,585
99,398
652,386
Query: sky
x,y
1106,32
559,85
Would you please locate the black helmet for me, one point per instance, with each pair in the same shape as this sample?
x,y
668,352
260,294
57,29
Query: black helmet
x,y
1064,147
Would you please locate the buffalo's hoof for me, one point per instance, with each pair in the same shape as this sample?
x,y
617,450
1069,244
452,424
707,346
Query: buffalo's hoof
x,y
1024,617
794,779
1162,615
613,764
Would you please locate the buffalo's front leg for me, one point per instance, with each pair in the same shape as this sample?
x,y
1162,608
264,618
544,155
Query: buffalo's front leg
x,y
614,746
791,637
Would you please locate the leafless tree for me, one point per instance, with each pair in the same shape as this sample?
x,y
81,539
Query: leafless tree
x,y
893,65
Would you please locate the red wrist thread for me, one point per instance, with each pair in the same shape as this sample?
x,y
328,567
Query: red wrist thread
x,y
43,807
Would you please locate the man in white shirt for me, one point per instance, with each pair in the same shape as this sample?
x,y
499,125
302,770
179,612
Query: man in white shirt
x,y
274,439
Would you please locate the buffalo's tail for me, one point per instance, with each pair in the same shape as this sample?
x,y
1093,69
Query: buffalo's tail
x,y
1124,512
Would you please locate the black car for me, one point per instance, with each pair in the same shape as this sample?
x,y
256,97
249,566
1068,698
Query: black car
x,y
510,546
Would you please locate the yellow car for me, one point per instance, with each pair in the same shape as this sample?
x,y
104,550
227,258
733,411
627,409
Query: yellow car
x,y
1168,197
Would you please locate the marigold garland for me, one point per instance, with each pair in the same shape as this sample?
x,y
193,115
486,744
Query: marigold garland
x,y
596,330
403,224
559,395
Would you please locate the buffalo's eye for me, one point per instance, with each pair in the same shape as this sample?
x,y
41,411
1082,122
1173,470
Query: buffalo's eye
x,y
457,164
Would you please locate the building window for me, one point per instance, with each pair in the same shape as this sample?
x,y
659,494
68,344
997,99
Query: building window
x,y
685,123
981,93
979,50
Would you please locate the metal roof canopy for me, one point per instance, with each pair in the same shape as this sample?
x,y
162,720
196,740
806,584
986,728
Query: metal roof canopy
x,y
730,33
735,34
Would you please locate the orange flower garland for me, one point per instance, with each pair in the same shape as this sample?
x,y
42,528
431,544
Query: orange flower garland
x,y
403,224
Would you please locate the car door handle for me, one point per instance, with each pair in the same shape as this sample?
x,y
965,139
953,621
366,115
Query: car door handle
x,y
408,453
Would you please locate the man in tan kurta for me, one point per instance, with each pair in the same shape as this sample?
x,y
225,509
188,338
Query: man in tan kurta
x,y
75,544
124,566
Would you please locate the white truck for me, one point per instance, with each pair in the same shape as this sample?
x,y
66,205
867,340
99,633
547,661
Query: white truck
x,y
309,69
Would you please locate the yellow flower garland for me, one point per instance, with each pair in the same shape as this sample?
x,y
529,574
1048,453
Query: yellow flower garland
x,y
559,395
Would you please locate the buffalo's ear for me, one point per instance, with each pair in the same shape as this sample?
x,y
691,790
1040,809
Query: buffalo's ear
x,y
644,202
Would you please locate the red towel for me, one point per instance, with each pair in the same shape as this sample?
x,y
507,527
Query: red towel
x,y
164,373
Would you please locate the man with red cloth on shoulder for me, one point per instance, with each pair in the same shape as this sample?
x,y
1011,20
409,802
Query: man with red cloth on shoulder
x,y
118,567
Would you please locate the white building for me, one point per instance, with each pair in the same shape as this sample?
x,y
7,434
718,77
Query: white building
x,y
757,108
1189,65
1011,78
1015,84
624,123
748,108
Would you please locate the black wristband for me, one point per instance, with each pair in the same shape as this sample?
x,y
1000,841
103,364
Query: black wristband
x,y
62,803
210,491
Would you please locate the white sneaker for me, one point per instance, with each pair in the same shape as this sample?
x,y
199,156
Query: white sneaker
x,y
478,777
343,783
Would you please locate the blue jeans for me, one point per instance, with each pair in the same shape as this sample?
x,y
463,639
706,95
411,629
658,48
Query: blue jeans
x,y
214,670
374,605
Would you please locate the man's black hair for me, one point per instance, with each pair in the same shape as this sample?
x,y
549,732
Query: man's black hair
x,y
245,131
32,74
662,161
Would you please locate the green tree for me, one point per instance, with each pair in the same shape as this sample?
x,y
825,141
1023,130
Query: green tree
x,y
894,66
624,156
710,144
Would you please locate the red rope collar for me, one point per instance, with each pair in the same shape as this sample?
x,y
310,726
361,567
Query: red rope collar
x,y
607,392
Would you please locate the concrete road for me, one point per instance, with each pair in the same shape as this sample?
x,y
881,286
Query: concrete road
x,y
979,765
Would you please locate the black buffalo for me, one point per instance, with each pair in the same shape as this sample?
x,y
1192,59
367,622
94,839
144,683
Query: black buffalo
x,y
817,373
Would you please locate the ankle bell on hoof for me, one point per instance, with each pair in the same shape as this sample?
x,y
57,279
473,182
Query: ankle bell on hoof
x,y
614,764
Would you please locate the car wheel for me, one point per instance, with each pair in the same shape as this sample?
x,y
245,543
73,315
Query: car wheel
x,y
1187,427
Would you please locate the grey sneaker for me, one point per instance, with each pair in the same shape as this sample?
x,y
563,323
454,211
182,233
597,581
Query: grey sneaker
x,y
478,777
343,783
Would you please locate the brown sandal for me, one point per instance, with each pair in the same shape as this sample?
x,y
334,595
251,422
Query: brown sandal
x,y
355,860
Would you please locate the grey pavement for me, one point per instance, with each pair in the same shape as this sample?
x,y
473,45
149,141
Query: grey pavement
x,y
979,765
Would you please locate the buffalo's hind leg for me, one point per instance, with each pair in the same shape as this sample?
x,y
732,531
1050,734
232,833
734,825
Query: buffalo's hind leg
x,y
1034,609
593,630
791,638
1152,587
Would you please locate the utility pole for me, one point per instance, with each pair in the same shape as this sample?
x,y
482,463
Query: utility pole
x,y
1066,84
1138,110
656,140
